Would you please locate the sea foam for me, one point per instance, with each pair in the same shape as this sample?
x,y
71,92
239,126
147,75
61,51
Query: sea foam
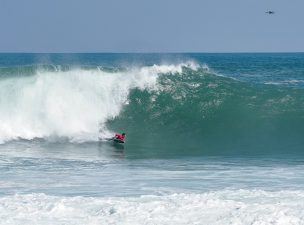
x,y
222,207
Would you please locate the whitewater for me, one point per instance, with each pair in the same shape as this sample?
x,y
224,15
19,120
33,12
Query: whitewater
x,y
211,138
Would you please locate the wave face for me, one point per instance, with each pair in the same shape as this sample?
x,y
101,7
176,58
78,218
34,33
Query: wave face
x,y
197,111
165,109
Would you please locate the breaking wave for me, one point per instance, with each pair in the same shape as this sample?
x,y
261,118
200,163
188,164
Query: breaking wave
x,y
180,107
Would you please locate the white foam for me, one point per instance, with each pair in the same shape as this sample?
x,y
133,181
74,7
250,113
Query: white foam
x,y
73,104
286,82
222,207
171,68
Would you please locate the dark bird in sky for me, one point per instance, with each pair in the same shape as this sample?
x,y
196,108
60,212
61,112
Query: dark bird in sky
x,y
270,12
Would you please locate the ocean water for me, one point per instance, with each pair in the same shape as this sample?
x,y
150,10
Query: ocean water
x,y
211,138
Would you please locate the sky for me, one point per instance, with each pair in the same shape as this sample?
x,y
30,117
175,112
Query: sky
x,y
151,26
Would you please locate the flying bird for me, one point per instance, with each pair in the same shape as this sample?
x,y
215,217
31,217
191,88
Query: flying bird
x,y
270,12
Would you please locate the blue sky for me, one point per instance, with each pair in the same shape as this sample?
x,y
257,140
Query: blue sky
x,y
151,26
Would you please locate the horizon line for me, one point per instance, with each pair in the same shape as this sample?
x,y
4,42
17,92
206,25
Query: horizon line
x,y
160,52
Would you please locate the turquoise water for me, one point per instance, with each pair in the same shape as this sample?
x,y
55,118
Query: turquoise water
x,y
218,133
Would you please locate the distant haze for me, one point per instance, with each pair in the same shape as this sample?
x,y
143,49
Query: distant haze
x,y
151,26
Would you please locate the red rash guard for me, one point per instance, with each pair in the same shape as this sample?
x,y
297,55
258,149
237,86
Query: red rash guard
x,y
120,137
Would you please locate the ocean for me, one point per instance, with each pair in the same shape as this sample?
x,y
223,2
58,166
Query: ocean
x,y
210,138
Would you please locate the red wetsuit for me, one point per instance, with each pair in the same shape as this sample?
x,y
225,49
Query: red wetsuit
x,y
120,137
